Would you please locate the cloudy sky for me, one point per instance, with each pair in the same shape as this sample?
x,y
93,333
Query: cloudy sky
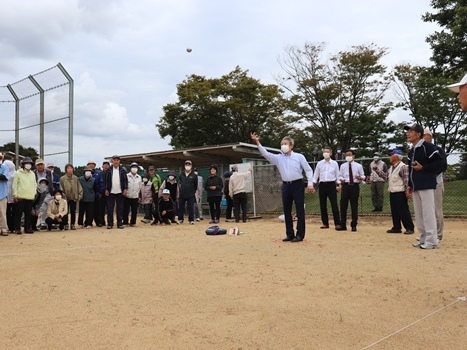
x,y
126,56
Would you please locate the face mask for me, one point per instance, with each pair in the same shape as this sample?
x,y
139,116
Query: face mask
x,y
326,155
145,180
41,188
348,159
134,170
87,174
171,178
285,148
58,197
375,157
187,167
27,166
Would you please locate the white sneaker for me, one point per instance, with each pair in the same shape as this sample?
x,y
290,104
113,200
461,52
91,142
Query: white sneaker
x,y
192,222
80,226
428,246
416,244
198,219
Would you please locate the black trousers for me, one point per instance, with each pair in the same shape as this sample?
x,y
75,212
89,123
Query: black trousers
x,y
10,216
88,209
328,190
23,206
350,193
400,211
97,214
102,210
72,211
215,207
294,192
130,204
240,202
61,225
228,210
112,200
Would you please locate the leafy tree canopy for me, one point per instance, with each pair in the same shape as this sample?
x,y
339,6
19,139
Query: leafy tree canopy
x,y
213,111
24,151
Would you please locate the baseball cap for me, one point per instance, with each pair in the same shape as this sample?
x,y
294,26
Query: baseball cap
x,y
106,162
49,165
134,164
396,151
40,161
188,161
165,191
415,127
91,162
151,167
455,87
427,132
234,167
115,157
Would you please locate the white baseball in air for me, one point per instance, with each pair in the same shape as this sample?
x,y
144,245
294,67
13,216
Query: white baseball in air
x,y
189,49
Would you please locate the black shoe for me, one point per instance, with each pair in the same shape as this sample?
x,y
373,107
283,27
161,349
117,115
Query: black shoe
x,y
393,231
109,227
354,229
341,228
99,225
288,239
325,226
120,227
296,239
73,227
408,232
28,231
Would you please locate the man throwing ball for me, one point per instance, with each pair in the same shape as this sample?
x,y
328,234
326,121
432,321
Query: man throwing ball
x,y
291,166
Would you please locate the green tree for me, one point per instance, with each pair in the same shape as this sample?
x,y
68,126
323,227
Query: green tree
x,y
213,111
339,100
449,45
23,151
422,91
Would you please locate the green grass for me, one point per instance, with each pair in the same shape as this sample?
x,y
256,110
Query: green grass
x,y
455,196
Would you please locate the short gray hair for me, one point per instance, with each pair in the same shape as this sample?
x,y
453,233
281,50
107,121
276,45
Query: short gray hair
x,y
288,138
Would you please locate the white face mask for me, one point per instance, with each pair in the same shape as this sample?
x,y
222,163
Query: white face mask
x,y
58,197
145,180
134,170
171,178
27,166
188,167
285,148
41,188
87,174
375,158
326,155
348,159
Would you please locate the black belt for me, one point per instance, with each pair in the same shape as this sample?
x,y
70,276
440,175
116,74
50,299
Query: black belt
x,y
327,182
291,182
355,183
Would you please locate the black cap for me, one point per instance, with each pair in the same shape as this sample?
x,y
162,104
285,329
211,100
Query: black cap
x,y
415,127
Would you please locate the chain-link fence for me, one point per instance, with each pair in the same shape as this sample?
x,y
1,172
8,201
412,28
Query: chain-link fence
x,y
37,112
268,197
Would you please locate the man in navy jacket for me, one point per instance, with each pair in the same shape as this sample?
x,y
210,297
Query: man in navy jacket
x,y
425,163
116,187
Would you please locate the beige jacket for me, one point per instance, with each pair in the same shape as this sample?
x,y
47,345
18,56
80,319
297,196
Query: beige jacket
x,y
54,209
71,188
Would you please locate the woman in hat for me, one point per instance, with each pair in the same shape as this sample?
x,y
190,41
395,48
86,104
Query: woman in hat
x,y
24,191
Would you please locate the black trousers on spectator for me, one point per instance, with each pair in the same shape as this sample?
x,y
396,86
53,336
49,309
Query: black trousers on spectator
x,y
61,225
102,210
215,207
328,190
23,206
97,214
86,208
240,202
400,211
350,193
228,210
130,204
112,200
72,211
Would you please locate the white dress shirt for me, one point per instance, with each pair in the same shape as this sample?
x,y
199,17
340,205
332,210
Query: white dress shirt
x,y
357,169
326,171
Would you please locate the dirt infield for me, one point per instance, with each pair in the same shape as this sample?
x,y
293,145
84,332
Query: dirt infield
x,y
173,287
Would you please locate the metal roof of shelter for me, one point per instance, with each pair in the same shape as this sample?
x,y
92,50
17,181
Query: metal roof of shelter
x,y
201,156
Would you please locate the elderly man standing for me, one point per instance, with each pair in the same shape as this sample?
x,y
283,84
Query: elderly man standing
x,y
398,183
460,88
291,166
97,215
425,162
439,191
116,187
327,172
377,178
188,187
